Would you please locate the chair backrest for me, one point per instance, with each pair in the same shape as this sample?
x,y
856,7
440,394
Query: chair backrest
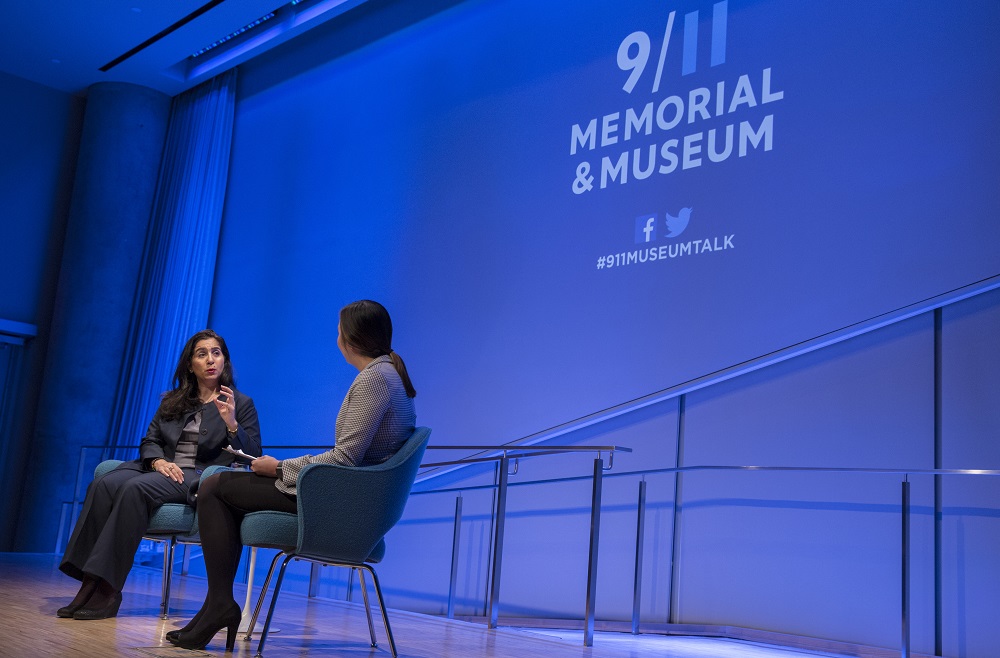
x,y
344,511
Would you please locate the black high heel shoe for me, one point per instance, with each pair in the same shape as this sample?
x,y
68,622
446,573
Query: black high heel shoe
x,y
108,611
199,639
174,634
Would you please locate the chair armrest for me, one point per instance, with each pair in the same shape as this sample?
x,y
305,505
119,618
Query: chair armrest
x,y
107,466
111,464
213,469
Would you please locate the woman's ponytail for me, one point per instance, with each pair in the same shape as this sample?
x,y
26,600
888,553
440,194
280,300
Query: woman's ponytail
x,y
397,361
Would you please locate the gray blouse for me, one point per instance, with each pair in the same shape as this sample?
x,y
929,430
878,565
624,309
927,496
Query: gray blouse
x,y
187,446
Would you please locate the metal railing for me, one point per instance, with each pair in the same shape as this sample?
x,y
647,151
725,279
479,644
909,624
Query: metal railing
x,y
500,509
502,458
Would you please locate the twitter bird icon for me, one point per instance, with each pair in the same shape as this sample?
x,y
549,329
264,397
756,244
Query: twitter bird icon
x,y
676,225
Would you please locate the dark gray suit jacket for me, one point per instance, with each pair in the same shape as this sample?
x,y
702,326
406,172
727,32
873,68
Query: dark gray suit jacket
x,y
163,435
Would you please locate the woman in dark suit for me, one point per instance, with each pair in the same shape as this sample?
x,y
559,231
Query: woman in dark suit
x,y
195,421
375,418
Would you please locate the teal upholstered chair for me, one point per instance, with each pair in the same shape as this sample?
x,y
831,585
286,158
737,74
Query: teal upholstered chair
x,y
343,515
172,524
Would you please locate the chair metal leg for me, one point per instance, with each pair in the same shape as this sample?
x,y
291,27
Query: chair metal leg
x,y
168,568
260,599
368,607
381,604
270,610
251,570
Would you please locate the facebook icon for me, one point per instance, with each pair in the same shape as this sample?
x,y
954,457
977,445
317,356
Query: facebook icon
x,y
645,228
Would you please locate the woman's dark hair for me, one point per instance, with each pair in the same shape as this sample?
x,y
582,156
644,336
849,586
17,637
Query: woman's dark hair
x,y
366,327
184,397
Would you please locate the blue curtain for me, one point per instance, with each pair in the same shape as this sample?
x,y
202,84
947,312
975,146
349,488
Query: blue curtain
x,y
173,296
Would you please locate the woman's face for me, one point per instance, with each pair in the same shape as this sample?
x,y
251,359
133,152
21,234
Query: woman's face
x,y
340,342
207,362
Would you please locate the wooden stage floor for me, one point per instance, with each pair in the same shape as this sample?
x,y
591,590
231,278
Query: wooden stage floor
x,y
32,588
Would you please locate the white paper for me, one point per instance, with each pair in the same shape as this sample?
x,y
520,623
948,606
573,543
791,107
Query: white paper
x,y
239,453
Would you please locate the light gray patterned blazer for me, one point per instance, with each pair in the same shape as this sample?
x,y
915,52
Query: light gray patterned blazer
x,y
374,420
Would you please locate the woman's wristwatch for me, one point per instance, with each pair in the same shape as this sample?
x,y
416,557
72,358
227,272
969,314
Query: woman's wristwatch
x,y
278,472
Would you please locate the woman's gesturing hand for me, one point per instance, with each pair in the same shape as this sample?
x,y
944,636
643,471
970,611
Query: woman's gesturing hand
x,y
227,409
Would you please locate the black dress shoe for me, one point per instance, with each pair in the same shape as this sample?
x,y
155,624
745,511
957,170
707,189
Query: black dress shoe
x,y
106,612
66,612
87,590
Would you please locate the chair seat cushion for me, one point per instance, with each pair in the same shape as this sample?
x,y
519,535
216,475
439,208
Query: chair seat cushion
x,y
171,518
281,530
270,530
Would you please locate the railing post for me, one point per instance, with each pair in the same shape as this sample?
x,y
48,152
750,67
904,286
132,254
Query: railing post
x,y
493,612
455,544
905,653
62,525
640,532
595,534
75,512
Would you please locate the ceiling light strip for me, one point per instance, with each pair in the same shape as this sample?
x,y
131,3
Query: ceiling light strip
x,y
233,35
150,41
